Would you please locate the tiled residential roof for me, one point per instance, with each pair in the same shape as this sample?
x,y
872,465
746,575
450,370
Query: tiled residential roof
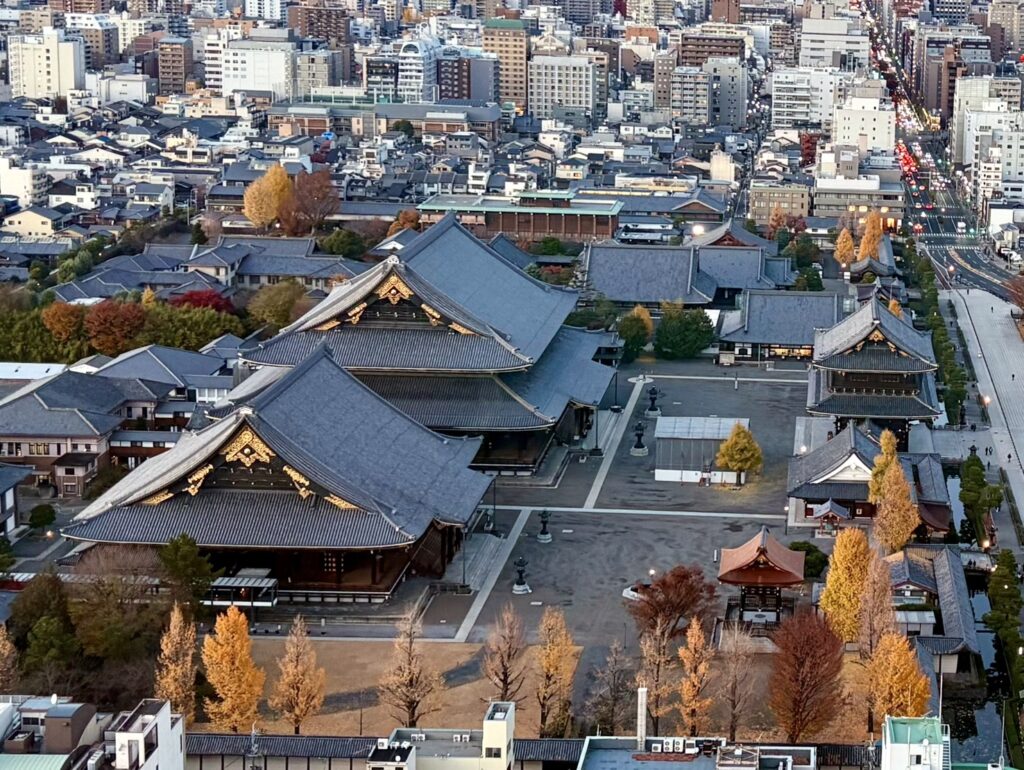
x,y
161,364
10,475
71,404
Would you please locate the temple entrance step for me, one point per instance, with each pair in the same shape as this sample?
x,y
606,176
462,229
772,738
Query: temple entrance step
x,y
481,554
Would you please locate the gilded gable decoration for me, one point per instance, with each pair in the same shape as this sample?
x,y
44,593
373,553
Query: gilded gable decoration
x,y
300,481
394,290
248,449
195,481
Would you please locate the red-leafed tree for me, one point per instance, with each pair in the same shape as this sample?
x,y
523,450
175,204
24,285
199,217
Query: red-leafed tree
x,y
672,598
64,321
210,298
805,691
312,199
113,326
619,7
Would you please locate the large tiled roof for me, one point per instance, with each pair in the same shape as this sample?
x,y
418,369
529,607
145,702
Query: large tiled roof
x,y
783,318
458,403
347,441
871,403
71,404
804,469
158,363
856,329
461,267
735,231
646,274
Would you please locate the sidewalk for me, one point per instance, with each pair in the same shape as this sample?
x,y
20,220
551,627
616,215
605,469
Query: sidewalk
x,y
997,355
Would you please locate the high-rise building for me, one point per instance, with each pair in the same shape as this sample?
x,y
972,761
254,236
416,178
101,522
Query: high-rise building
x,y
273,10
730,91
417,69
507,39
665,63
694,50
380,75
265,63
174,64
803,97
466,74
46,65
100,35
971,93
317,69
562,81
322,19
833,42
80,6
691,96
865,121
36,19
727,11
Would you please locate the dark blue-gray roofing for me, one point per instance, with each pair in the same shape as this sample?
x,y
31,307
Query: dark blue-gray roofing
x,y
158,363
646,274
11,475
71,404
781,317
872,316
476,277
311,746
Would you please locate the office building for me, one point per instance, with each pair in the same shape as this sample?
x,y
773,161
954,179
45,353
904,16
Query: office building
x,y
46,65
730,91
694,50
80,6
265,64
833,42
507,39
665,63
467,74
272,10
865,122
971,93
417,69
562,81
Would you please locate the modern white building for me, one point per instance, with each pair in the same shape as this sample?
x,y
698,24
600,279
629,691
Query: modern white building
x,y
833,42
259,65
107,87
971,93
417,69
561,81
46,65
273,10
804,97
214,43
865,122
24,181
921,742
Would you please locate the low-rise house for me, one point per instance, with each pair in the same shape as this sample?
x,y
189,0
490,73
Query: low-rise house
x,y
10,477
61,426
36,221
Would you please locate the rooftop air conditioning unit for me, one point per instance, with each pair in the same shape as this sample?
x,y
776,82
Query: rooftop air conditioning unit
x,y
465,737
457,738
655,748
678,745
382,743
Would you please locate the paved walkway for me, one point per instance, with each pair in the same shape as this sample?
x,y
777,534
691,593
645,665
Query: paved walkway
x,y
998,356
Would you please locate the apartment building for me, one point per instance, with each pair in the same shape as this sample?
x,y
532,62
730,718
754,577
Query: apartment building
x,y
80,6
24,181
317,69
272,10
665,63
694,50
508,40
100,35
730,89
46,65
417,69
803,97
691,96
561,81
467,74
174,64
38,18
